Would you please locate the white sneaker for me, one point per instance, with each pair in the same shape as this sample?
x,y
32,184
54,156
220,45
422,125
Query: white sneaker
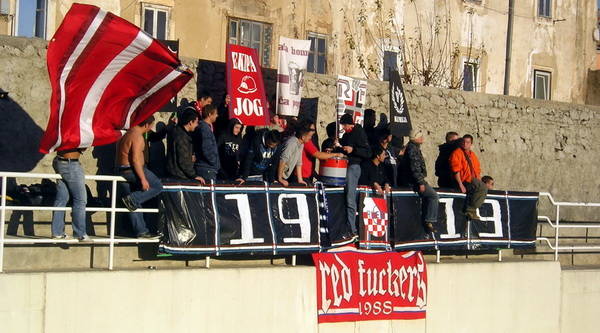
x,y
63,236
85,239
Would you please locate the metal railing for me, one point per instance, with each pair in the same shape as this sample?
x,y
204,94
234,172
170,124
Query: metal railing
x,y
558,226
113,210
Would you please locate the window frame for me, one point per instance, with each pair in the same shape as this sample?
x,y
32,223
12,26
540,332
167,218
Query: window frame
x,y
16,23
548,75
156,8
396,51
548,12
264,46
475,65
315,54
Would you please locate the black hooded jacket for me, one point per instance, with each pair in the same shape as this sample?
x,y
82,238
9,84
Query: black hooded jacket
x,y
442,164
229,146
359,142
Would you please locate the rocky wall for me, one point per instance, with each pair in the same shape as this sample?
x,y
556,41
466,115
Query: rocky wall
x,y
524,144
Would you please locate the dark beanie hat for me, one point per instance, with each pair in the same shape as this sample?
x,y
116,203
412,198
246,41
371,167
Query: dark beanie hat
x,y
346,119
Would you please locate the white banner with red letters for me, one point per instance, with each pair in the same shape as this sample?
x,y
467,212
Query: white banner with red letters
x,y
359,286
245,86
293,59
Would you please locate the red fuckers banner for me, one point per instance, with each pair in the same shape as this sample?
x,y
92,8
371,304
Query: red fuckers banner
x,y
245,86
359,286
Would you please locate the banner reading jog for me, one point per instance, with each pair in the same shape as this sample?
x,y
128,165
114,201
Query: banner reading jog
x,y
245,86
293,58
356,286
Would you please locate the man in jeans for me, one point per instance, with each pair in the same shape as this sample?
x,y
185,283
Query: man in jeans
x,y
130,165
356,147
66,163
467,170
414,173
205,145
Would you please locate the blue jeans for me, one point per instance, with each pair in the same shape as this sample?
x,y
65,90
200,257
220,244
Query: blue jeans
x,y
352,175
206,173
72,183
431,200
140,196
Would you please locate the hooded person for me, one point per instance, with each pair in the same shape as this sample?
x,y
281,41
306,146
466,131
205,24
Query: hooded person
x,y
229,146
442,163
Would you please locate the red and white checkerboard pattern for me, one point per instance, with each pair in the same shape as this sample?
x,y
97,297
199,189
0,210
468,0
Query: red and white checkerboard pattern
x,y
376,223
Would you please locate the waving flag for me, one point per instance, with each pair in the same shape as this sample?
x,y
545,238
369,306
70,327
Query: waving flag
x,y
106,76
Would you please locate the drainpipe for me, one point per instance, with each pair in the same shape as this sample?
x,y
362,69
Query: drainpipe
x,y
509,32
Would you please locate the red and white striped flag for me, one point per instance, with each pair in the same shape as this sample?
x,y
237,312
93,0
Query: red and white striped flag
x,y
106,76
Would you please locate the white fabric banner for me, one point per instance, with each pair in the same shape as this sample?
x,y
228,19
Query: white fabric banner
x,y
293,58
351,97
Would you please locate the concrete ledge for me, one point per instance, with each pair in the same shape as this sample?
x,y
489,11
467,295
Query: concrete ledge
x,y
463,297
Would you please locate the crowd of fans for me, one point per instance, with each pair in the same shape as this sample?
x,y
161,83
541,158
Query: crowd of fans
x,y
202,147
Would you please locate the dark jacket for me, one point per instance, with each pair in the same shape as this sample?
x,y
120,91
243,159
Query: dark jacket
x,y
205,147
259,159
357,139
179,154
442,164
371,174
413,170
229,152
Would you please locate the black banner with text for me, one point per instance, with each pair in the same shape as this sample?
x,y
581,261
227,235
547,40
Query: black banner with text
x,y
221,219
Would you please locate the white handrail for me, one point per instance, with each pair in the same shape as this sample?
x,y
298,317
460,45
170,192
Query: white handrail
x,y
111,240
557,226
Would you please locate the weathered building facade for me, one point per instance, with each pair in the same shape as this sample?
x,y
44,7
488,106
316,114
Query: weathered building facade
x,y
456,43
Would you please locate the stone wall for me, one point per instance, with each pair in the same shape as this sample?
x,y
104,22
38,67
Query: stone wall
x,y
524,144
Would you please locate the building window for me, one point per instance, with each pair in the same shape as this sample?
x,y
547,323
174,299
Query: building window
x,y
469,76
31,18
541,84
156,21
544,8
390,63
317,58
256,35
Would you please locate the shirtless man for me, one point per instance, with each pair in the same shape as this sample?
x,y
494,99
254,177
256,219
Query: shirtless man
x,y
130,165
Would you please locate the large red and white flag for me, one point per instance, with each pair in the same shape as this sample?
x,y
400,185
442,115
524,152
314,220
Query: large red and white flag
x,y
106,76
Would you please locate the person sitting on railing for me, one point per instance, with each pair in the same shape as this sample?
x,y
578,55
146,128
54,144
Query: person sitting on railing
x,y
413,174
131,166
180,151
373,172
66,163
259,160
442,163
467,170
488,181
